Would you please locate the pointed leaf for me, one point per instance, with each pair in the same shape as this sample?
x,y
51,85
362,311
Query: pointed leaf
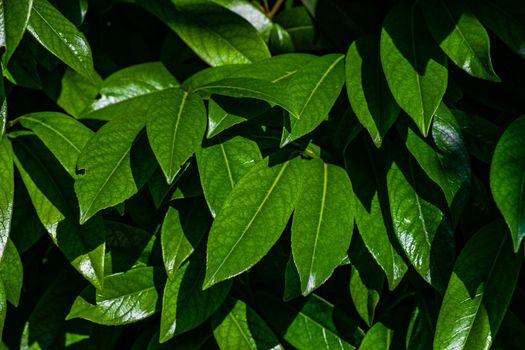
x,y
415,69
323,223
507,179
460,36
14,17
176,124
7,190
314,89
479,291
377,338
64,136
185,304
59,36
367,88
238,326
252,218
107,179
127,297
222,165
125,90
11,273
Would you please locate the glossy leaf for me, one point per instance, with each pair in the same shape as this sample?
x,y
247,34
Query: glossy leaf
x,y
377,337
422,229
59,36
7,191
76,92
479,291
104,163
367,88
11,273
127,297
314,89
252,218
238,326
507,176
415,69
215,34
83,245
185,304
64,136
182,230
128,90
222,165
461,36
14,18
323,223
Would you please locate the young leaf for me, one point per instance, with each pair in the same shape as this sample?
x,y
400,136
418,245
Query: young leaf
x,y
122,92
377,337
421,227
185,304
7,190
479,291
14,18
215,34
127,297
238,326
507,179
314,89
107,179
323,223
252,218
460,36
415,69
181,232
222,165
367,88
11,273
64,136
60,37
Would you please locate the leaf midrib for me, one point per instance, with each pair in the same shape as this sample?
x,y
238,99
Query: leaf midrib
x,y
170,174
54,130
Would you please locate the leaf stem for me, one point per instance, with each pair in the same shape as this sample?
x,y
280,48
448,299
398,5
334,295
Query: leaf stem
x,y
275,8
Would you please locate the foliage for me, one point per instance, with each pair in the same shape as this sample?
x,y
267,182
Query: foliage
x,y
236,174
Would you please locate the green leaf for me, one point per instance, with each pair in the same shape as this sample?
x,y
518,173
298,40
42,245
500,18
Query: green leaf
x,y
308,326
314,90
7,191
371,215
185,304
60,37
14,17
507,179
216,35
367,88
51,191
64,136
420,333
252,218
251,88
238,326
323,223
11,273
3,306
222,165
176,124
415,69
461,36
479,291
444,159
128,90
378,337
182,230
107,179
508,336
505,19
76,92
422,229
220,120
127,297
277,69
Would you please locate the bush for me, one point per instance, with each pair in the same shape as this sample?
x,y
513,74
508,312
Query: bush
x,y
235,174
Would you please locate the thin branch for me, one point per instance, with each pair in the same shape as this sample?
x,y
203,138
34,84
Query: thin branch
x,y
275,8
